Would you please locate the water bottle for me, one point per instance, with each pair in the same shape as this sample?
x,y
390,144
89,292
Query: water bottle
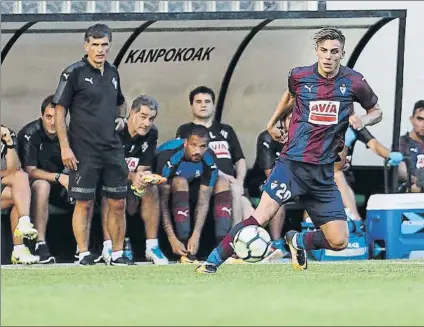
x,y
128,249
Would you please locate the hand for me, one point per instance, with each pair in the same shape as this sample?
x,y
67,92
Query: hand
x,y
276,134
177,247
356,122
68,159
193,244
64,181
137,179
395,159
119,124
6,135
350,137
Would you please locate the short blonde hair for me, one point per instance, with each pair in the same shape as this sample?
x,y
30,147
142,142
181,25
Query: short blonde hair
x,y
329,33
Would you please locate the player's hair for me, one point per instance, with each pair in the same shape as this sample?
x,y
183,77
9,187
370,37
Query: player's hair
x,y
98,31
418,106
46,102
199,130
144,100
201,89
329,33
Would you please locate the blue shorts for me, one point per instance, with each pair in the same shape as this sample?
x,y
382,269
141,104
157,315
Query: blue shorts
x,y
313,184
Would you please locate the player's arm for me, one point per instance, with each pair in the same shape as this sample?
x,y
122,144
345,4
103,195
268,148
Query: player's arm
x,y
12,160
63,99
121,104
369,101
238,156
164,193
286,102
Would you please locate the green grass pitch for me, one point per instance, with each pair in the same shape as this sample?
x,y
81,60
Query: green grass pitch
x,y
353,293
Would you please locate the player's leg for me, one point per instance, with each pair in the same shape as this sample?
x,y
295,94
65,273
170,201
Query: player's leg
x,y
115,188
150,214
20,253
325,207
180,191
276,193
107,242
21,197
82,187
347,194
223,208
40,213
275,228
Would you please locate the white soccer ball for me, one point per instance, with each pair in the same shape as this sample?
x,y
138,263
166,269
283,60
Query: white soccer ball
x,y
252,243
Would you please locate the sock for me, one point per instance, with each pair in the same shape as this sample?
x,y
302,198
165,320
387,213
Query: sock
x,y
107,244
40,242
83,254
117,254
181,214
312,241
18,247
223,213
224,249
77,249
24,219
151,243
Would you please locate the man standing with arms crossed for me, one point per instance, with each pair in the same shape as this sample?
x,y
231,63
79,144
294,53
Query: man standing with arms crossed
x,y
90,89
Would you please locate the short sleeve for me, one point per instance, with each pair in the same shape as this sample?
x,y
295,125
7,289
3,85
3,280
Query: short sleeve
x,y
363,94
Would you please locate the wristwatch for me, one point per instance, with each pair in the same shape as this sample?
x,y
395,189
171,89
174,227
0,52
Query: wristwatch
x,y
57,177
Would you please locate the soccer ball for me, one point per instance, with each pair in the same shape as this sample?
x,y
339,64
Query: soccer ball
x,y
252,243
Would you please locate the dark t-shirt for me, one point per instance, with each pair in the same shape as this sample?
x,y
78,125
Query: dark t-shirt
x,y
36,148
91,98
223,141
139,150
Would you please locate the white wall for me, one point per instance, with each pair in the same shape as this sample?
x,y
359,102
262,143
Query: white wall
x,y
378,64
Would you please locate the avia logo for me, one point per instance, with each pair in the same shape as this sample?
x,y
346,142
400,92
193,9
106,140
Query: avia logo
x,y
327,107
324,112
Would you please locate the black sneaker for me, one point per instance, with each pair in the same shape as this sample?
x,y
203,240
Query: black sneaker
x,y
298,256
206,268
42,250
88,260
121,261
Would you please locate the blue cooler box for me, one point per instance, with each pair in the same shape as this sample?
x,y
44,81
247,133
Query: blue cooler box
x,y
395,226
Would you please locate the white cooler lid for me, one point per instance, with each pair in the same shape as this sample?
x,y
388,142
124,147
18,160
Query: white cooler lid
x,y
396,201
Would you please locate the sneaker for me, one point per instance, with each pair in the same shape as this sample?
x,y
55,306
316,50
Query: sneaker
x,y
24,256
206,269
122,261
189,259
25,229
156,255
88,260
42,250
298,256
107,254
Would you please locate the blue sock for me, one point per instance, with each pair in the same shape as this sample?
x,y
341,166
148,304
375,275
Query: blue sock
x,y
214,258
278,244
299,241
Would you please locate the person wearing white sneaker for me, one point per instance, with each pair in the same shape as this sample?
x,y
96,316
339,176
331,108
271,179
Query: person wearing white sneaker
x,y
139,137
16,194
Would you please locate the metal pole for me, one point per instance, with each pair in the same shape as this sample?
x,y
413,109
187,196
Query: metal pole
x,y
398,95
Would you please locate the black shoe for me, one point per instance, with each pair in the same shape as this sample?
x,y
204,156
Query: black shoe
x,y
298,256
42,250
88,260
121,261
206,269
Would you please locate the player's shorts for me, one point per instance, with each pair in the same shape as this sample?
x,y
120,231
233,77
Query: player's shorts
x,y
109,166
3,186
313,184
